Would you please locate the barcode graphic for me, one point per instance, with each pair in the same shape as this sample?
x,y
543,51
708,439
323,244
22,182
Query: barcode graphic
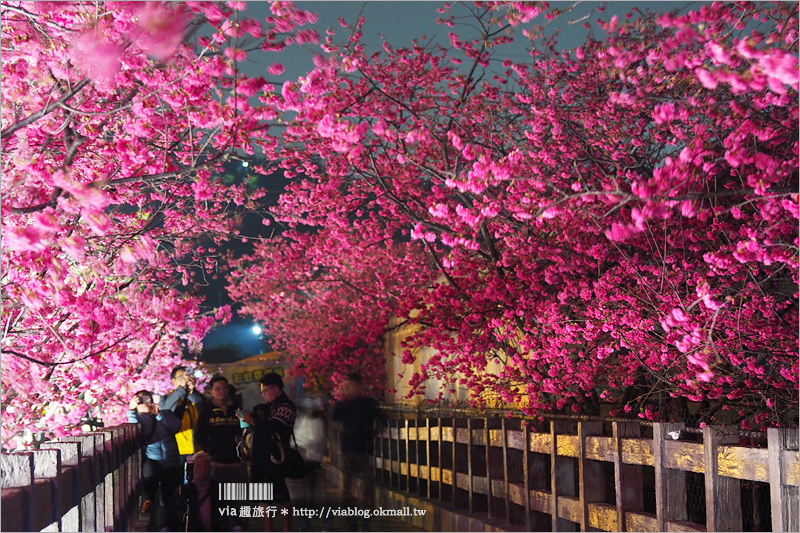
x,y
245,491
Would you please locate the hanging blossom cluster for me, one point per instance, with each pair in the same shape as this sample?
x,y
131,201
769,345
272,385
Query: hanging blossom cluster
x,y
333,277
113,128
616,223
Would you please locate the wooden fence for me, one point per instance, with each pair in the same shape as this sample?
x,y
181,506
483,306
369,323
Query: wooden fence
x,y
90,482
589,475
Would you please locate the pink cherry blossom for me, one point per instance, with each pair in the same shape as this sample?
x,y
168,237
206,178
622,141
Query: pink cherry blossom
x,y
106,194
619,219
161,28
585,226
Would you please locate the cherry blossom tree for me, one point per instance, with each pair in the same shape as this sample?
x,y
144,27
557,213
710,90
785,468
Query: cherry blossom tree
x,y
116,118
617,222
332,276
614,223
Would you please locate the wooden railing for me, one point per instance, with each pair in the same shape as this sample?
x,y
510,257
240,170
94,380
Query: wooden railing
x,y
584,475
86,483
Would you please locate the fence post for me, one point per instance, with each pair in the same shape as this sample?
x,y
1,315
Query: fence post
x,y
17,478
47,477
561,472
470,483
87,472
69,484
407,445
428,454
590,473
417,462
670,484
487,456
134,471
397,481
399,456
137,466
100,471
422,486
723,495
374,458
391,450
439,453
506,483
628,482
111,456
526,467
784,498
379,448
387,451
453,463
127,489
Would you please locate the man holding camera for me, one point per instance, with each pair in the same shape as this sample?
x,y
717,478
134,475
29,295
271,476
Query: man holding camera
x,y
186,403
160,461
273,423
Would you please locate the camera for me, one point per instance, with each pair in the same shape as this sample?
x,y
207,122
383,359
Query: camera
x,y
189,470
240,414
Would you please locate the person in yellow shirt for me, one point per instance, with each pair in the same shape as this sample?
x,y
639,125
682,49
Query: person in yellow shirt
x,y
185,402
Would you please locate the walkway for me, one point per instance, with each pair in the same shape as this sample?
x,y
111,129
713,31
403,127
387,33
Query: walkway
x,y
320,499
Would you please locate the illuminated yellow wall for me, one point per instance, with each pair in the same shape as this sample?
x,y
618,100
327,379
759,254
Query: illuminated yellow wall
x,y
399,375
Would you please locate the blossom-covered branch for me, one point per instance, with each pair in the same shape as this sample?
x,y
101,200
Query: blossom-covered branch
x,y
116,120
613,223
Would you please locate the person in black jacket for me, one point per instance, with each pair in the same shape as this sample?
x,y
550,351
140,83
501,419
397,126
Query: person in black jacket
x,y
357,414
273,423
218,433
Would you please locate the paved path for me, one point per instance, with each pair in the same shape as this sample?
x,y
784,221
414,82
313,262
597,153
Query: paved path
x,y
325,499
320,498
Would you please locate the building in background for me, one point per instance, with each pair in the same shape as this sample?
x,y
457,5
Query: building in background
x,y
245,375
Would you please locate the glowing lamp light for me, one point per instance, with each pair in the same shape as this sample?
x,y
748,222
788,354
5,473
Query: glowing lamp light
x,y
245,164
256,330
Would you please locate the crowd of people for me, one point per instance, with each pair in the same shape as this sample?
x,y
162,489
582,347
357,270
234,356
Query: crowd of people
x,y
196,446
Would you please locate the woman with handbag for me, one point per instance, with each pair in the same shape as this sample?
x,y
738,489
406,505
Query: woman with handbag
x,y
273,425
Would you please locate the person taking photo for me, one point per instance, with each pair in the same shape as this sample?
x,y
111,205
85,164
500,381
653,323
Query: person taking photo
x,y
186,402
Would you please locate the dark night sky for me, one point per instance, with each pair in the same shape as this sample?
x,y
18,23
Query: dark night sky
x,y
399,23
